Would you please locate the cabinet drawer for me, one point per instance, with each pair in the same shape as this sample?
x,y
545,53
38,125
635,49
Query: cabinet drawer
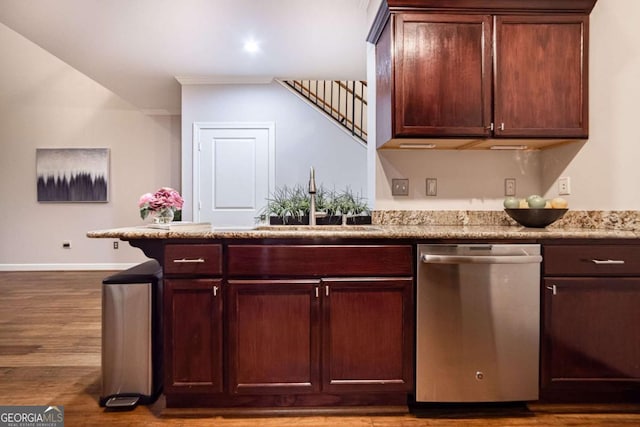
x,y
591,260
191,259
320,260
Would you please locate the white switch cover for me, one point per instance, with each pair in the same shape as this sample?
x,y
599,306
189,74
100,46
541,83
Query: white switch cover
x,y
564,186
432,187
509,186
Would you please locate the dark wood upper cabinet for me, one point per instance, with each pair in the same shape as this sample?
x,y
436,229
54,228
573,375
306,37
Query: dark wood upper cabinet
x,y
442,75
540,76
479,70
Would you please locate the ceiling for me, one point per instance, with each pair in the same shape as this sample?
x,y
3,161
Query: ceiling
x,y
141,49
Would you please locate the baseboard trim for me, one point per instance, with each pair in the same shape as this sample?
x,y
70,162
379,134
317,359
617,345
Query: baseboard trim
x,y
66,267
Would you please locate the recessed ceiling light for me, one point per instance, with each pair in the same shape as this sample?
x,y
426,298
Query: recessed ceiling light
x,y
251,46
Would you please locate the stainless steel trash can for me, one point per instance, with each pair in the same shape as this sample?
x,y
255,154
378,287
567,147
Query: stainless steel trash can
x,y
132,337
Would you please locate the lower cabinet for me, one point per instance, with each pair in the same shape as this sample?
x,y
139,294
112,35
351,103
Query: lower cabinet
x,y
329,335
367,329
193,336
274,337
591,315
289,325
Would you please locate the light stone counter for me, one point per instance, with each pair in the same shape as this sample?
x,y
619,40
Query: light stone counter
x,y
417,225
416,232
592,220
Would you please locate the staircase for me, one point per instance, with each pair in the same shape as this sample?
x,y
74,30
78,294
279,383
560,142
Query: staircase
x,y
343,101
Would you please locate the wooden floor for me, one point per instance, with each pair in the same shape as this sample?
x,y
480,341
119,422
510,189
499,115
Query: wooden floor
x,y
50,355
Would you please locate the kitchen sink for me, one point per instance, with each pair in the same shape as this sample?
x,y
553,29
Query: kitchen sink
x,y
329,228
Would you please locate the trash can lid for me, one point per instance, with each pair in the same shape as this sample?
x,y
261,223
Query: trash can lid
x,y
141,273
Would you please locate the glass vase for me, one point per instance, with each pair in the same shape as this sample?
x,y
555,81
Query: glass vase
x,y
163,216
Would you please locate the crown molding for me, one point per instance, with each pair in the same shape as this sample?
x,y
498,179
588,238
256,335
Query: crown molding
x,y
223,80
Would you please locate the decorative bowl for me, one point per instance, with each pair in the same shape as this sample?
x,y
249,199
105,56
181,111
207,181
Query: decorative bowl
x,y
536,218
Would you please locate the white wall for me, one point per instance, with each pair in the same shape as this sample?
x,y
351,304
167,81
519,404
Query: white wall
x,y
303,137
44,103
466,180
604,170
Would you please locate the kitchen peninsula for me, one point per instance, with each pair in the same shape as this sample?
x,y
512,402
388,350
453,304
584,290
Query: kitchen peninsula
x,y
325,316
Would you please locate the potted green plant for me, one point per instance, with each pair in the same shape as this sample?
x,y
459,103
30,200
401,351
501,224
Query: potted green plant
x,y
354,208
290,206
287,206
327,204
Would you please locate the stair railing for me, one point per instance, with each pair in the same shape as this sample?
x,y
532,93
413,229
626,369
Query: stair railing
x,y
343,101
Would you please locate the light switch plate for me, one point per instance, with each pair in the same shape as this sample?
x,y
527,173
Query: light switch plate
x,y
564,186
509,186
432,187
399,187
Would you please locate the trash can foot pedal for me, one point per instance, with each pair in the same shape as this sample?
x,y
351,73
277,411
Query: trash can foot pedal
x,y
122,403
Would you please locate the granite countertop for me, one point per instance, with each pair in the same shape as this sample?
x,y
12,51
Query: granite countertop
x,y
368,232
413,225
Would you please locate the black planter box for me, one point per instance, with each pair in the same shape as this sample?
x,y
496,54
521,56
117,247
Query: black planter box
x,y
359,220
321,220
289,220
329,220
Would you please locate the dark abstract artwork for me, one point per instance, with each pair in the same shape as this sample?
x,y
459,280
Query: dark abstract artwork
x,y
72,174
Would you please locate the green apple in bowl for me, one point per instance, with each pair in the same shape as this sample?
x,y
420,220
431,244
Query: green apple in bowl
x,y
536,202
533,196
511,203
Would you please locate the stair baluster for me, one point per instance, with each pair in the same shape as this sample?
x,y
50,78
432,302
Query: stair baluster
x,y
353,93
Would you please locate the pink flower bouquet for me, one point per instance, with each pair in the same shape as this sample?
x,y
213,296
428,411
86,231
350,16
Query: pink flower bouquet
x,y
162,200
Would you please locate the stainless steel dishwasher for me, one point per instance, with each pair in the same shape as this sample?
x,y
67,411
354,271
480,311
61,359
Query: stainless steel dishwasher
x,y
478,323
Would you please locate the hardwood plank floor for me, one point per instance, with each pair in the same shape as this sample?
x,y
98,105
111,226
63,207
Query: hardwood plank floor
x,y
50,355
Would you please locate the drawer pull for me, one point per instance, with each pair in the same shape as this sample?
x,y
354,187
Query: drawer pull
x,y
607,261
189,261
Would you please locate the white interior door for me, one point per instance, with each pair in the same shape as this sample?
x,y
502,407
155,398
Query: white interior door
x,y
234,172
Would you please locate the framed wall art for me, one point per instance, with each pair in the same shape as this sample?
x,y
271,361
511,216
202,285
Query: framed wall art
x,y
72,174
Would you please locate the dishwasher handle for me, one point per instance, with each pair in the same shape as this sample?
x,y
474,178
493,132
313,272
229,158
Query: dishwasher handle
x,y
480,259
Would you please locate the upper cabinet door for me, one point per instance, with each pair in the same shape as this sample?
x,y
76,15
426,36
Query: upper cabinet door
x,y
541,82
442,75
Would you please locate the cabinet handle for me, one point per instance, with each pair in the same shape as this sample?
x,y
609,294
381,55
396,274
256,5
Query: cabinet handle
x,y
490,127
189,261
607,261
501,126
317,293
554,289
215,291
326,290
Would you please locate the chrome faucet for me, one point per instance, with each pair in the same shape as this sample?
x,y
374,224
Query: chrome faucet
x,y
312,194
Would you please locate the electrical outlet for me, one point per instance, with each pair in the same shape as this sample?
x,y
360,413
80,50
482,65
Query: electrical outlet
x,y
510,187
564,186
432,187
66,245
116,244
399,187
